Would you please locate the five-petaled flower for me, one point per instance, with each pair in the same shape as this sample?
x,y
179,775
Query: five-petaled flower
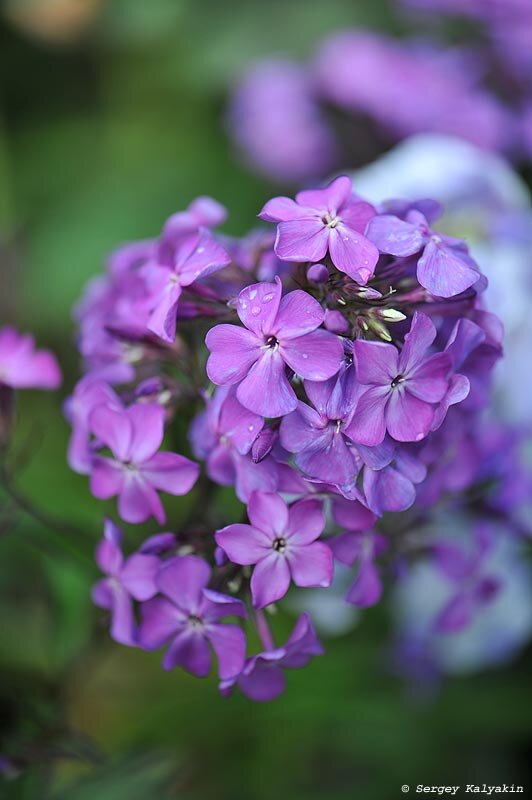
x,y
188,616
281,542
445,268
321,221
403,388
137,470
279,332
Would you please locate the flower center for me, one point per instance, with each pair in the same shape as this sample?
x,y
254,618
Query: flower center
x,y
195,622
397,380
330,221
279,545
337,425
272,342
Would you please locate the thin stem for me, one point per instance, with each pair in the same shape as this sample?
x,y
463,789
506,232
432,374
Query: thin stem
x,y
263,630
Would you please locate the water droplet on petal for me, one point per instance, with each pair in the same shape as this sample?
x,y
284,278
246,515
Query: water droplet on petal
x,y
251,427
255,310
304,355
267,297
252,294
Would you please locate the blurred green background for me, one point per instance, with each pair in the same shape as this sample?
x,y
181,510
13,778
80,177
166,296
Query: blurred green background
x,y
112,118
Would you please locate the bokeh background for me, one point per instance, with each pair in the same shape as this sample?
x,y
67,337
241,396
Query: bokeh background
x,y
112,118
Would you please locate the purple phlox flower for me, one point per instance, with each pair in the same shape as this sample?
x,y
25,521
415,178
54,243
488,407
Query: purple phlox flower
x,y
262,678
203,212
361,545
475,345
318,436
188,616
276,120
24,367
281,542
212,437
278,332
392,487
136,471
224,435
127,579
383,79
193,256
87,395
322,221
445,267
474,589
403,387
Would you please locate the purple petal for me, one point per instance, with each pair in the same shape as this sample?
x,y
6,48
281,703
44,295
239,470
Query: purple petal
x,y
443,272
138,576
375,362
456,614
233,351
258,305
299,313
160,619
417,341
190,651
229,644
108,552
302,429
352,253
270,580
331,198
306,521
238,424
162,321
311,564
171,472
394,236
366,589
368,425
266,390
430,381
265,682
304,239
243,544
138,500
268,513
147,421
352,515
122,619
356,215
347,547
282,209
316,356
207,257
388,490
114,428
216,606
107,478
407,418
183,579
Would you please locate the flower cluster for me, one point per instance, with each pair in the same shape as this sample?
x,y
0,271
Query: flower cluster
x,y
290,120
340,392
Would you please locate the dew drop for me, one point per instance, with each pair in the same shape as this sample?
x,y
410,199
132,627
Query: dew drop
x,y
304,355
252,294
251,427
267,297
201,249
255,310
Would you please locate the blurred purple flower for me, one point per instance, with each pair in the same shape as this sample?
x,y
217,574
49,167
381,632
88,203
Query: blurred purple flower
x,y
188,616
137,470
